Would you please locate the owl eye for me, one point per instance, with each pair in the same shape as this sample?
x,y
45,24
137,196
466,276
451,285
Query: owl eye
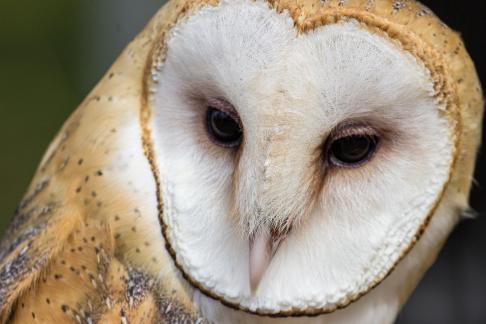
x,y
223,125
354,149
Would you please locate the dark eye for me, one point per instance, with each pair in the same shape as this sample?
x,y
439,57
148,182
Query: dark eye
x,y
353,150
223,127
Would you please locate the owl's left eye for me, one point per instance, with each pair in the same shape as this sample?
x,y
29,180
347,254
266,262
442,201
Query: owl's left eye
x,y
223,125
352,146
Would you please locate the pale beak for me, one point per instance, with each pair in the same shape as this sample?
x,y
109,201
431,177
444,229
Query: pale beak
x,y
263,246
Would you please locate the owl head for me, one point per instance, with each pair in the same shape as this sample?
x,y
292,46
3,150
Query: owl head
x,y
302,148
280,157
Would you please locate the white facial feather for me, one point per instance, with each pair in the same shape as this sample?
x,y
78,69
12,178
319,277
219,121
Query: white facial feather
x,y
291,91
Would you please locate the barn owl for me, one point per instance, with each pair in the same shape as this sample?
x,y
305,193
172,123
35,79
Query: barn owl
x,y
279,161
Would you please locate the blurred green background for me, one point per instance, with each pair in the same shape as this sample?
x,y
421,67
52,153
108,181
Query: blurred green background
x,y
52,52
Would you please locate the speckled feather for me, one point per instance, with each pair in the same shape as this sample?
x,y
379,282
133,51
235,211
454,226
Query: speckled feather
x,y
63,258
75,251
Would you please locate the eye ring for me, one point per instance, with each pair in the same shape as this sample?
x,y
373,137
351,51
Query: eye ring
x,y
222,123
352,146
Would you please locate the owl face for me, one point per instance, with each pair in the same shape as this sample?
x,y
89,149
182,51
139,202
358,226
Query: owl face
x,y
296,168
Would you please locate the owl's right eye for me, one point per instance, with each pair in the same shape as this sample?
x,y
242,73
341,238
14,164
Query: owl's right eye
x,y
223,125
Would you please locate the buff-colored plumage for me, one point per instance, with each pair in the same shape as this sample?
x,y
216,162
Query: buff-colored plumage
x,y
78,250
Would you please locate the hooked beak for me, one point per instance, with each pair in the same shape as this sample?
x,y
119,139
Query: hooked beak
x,y
263,246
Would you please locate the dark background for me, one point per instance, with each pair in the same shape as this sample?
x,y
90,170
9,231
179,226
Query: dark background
x,y
52,52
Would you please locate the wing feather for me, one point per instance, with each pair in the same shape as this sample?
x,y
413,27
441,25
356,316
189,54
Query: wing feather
x,y
35,236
